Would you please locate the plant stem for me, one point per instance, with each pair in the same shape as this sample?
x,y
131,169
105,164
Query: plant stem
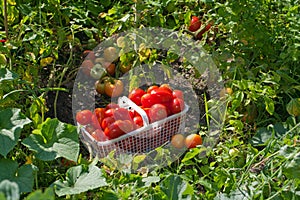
x,y
5,18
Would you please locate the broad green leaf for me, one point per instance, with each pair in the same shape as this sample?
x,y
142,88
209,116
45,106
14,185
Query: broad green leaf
x,y
79,179
176,188
11,124
150,179
2,196
5,74
287,152
38,195
292,168
261,137
191,154
22,176
10,190
236,195
108,195
54,139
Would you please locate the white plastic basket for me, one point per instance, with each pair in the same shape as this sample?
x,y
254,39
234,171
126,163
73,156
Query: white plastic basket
x,y
141,140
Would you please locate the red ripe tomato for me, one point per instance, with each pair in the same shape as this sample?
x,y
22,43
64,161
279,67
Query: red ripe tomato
x,y
148,100
178,94
126,125
194,24
112,105
94,122
161,95
168,107
132,113
98,135
177,105
109,112
157,112
99,112
166,87
138,120
136,95
207,27
121,114
151,88
118,128
147,111
193,140
106,122
86,67
113,130
84,117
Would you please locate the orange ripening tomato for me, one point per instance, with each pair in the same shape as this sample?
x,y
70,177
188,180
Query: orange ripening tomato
x,y
114,88
193,140
178,141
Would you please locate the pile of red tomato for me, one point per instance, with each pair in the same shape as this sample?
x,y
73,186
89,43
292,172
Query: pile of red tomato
x,y
112,121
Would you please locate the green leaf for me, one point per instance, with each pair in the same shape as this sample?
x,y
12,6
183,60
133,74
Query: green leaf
x,y
5,74
269,105
53,140
175,188
236,195
9,189
109,195
191,154
22,176
38,194
11,124
292,169
80,180
150,179
2,196
261,137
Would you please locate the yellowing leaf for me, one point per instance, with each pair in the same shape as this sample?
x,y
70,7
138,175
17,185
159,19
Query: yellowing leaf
x,y
46,61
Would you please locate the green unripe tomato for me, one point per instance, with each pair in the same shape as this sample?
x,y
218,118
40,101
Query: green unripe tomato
x,y
97,71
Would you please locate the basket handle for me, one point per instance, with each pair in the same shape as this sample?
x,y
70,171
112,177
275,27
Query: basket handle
x,y
125,102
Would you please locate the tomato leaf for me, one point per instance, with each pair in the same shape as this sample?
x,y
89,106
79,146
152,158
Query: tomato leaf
x,y
237,194
80,179
10,190
150,179
176,188
54,139
262,136
11,124
5,74
191,154
38,194
269,105
22,176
